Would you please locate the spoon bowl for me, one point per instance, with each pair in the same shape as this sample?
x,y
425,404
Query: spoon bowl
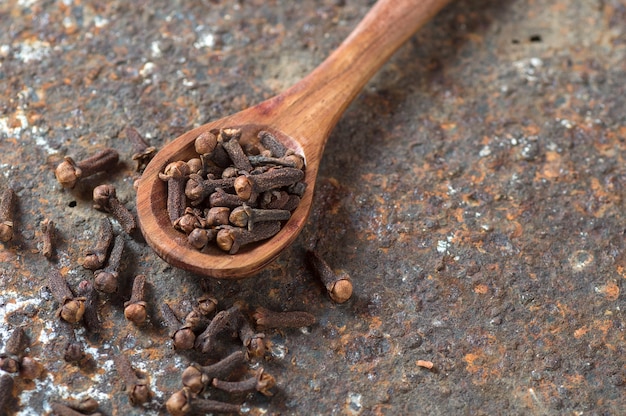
x,y
302,118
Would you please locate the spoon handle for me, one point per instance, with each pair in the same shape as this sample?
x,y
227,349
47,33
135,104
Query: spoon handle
x,y
317,102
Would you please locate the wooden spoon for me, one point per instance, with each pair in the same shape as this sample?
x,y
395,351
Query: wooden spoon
x,y
302,117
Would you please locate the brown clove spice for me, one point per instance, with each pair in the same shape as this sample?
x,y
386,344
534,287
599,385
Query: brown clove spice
x,y
135,308
223,320
90,317
137,389
261,382
72,308
96,257
106,280
185,402
48,233
265,318
69,172
8,202
338,285
197,377
11,358
105,199
183,337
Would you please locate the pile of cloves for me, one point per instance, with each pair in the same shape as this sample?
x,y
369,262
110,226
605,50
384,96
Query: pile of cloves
x,y
237,191
208,338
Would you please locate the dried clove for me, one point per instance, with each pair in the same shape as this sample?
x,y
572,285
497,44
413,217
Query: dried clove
x,y
223,320
175,174
48,232
199,237
72,308
229,138
73,351
264,318
253,341
60,409
69,172
269,141
7,208
197,377
136,388
217,216
197,188
105,199
185,402
30,368
135,308
207,304
231,239
246,216
143,151
290,161
95,257
221,198
248,186
90,317
183,337
338,285
106,280
11,358
261,382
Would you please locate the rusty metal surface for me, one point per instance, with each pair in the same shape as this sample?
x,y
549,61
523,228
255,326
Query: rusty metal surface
x,y
474,191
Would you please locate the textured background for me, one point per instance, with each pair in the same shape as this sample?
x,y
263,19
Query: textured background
x,y
474,191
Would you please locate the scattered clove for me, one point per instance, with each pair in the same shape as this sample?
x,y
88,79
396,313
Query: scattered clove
x,y
72,308
7,208
105,199
30,369
73,351
264,318
106,280
197,377
229,138
96,257
69,172
207,304
338,285
261,382
137,389
185,402
135,308
143,151
254,342
248,186
90,317
11,358
183,337
48,232
223,320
